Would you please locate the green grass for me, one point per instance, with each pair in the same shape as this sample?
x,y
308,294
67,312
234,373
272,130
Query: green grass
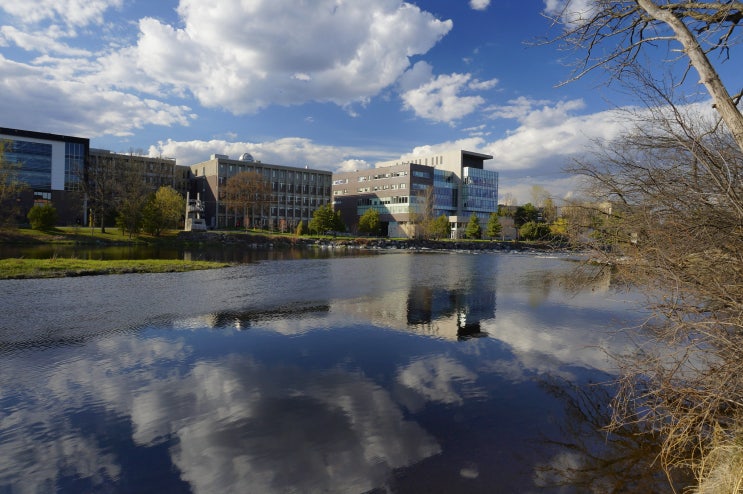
x,y
61,267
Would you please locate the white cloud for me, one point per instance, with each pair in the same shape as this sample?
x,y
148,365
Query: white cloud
x,y
43,42
439,99
478,85
77,13
290,151
572,13
244,57
479,4
73,108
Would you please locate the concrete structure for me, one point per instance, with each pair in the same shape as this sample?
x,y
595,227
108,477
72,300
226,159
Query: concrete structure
x,y
398,192
52,167
455,181
295,192
155,172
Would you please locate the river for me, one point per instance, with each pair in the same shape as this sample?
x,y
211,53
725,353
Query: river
x,y
396,372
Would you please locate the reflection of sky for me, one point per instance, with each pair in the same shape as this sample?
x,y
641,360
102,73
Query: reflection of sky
x,y
259,384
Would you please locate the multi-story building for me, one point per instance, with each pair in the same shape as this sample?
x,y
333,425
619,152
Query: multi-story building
x,y
295,192
398,192
154,172
52,168
455,182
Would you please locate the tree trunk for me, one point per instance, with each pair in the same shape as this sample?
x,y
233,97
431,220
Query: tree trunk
x,y
707,73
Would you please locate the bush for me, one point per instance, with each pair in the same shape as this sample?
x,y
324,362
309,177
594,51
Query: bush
x,y
43,217
532,230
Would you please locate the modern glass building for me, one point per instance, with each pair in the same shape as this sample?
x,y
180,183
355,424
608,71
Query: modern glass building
x,y
460,185
52,168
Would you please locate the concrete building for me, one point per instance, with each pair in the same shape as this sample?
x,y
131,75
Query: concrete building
x,y
295,192
52,167
456,181
398,192
155,172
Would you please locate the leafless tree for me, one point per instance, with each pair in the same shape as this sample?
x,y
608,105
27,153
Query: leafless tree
x,y
613,34
246,194
10,188
675,185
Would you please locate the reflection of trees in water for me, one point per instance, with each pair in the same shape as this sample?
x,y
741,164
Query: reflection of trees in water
x,y
246,319
591,459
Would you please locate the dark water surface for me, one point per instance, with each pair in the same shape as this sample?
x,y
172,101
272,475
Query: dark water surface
x,y
399,372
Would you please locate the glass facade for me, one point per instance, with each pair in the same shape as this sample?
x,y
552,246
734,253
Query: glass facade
x,y
446,193
35,160
479,190
74,163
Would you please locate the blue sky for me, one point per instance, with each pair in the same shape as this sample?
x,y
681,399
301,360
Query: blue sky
x,y
330,84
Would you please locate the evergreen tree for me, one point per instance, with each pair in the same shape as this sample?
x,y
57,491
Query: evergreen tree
x,y
473,229
494,227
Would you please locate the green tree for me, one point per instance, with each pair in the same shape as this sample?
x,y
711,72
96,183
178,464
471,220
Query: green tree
x,y
473,229
524,214
43,217
247,194
531,230
493,229
10,188
164,210
325,219
440,227
369,222
300,229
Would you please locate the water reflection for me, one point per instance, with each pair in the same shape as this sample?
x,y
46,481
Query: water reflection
x,y
343,375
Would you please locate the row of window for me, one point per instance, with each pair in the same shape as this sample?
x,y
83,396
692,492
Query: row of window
x,y
380,176
281,175
376,188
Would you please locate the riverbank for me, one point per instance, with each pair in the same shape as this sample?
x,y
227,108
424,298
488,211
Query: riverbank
x,y
61,268
264,241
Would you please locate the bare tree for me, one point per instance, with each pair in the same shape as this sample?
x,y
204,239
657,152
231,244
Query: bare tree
x,y
612,34
247,194
10,188
675,185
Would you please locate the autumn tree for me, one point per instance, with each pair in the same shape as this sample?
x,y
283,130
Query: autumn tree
x,y
247,194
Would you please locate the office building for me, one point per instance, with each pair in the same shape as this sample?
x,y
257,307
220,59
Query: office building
x,y
295,192
52,168
454,184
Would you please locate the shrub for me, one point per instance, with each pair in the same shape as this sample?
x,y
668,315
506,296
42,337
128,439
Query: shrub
x,y
43,217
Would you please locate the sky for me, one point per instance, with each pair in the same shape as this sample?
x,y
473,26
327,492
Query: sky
x,y
330,84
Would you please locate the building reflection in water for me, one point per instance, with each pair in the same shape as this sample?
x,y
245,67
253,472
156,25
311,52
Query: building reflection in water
x,y
455,314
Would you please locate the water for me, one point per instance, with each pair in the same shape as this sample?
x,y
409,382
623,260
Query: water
x,y
399,372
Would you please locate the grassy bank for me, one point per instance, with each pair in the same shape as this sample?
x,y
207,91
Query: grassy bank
x,y
60,268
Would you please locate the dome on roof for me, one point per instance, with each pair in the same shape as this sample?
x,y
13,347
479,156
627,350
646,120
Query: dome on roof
x,y
246,157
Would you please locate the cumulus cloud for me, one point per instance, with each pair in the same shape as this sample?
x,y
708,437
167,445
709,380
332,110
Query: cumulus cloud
x,y
439,98
291,151
71,107
244,57
77,13
479,4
